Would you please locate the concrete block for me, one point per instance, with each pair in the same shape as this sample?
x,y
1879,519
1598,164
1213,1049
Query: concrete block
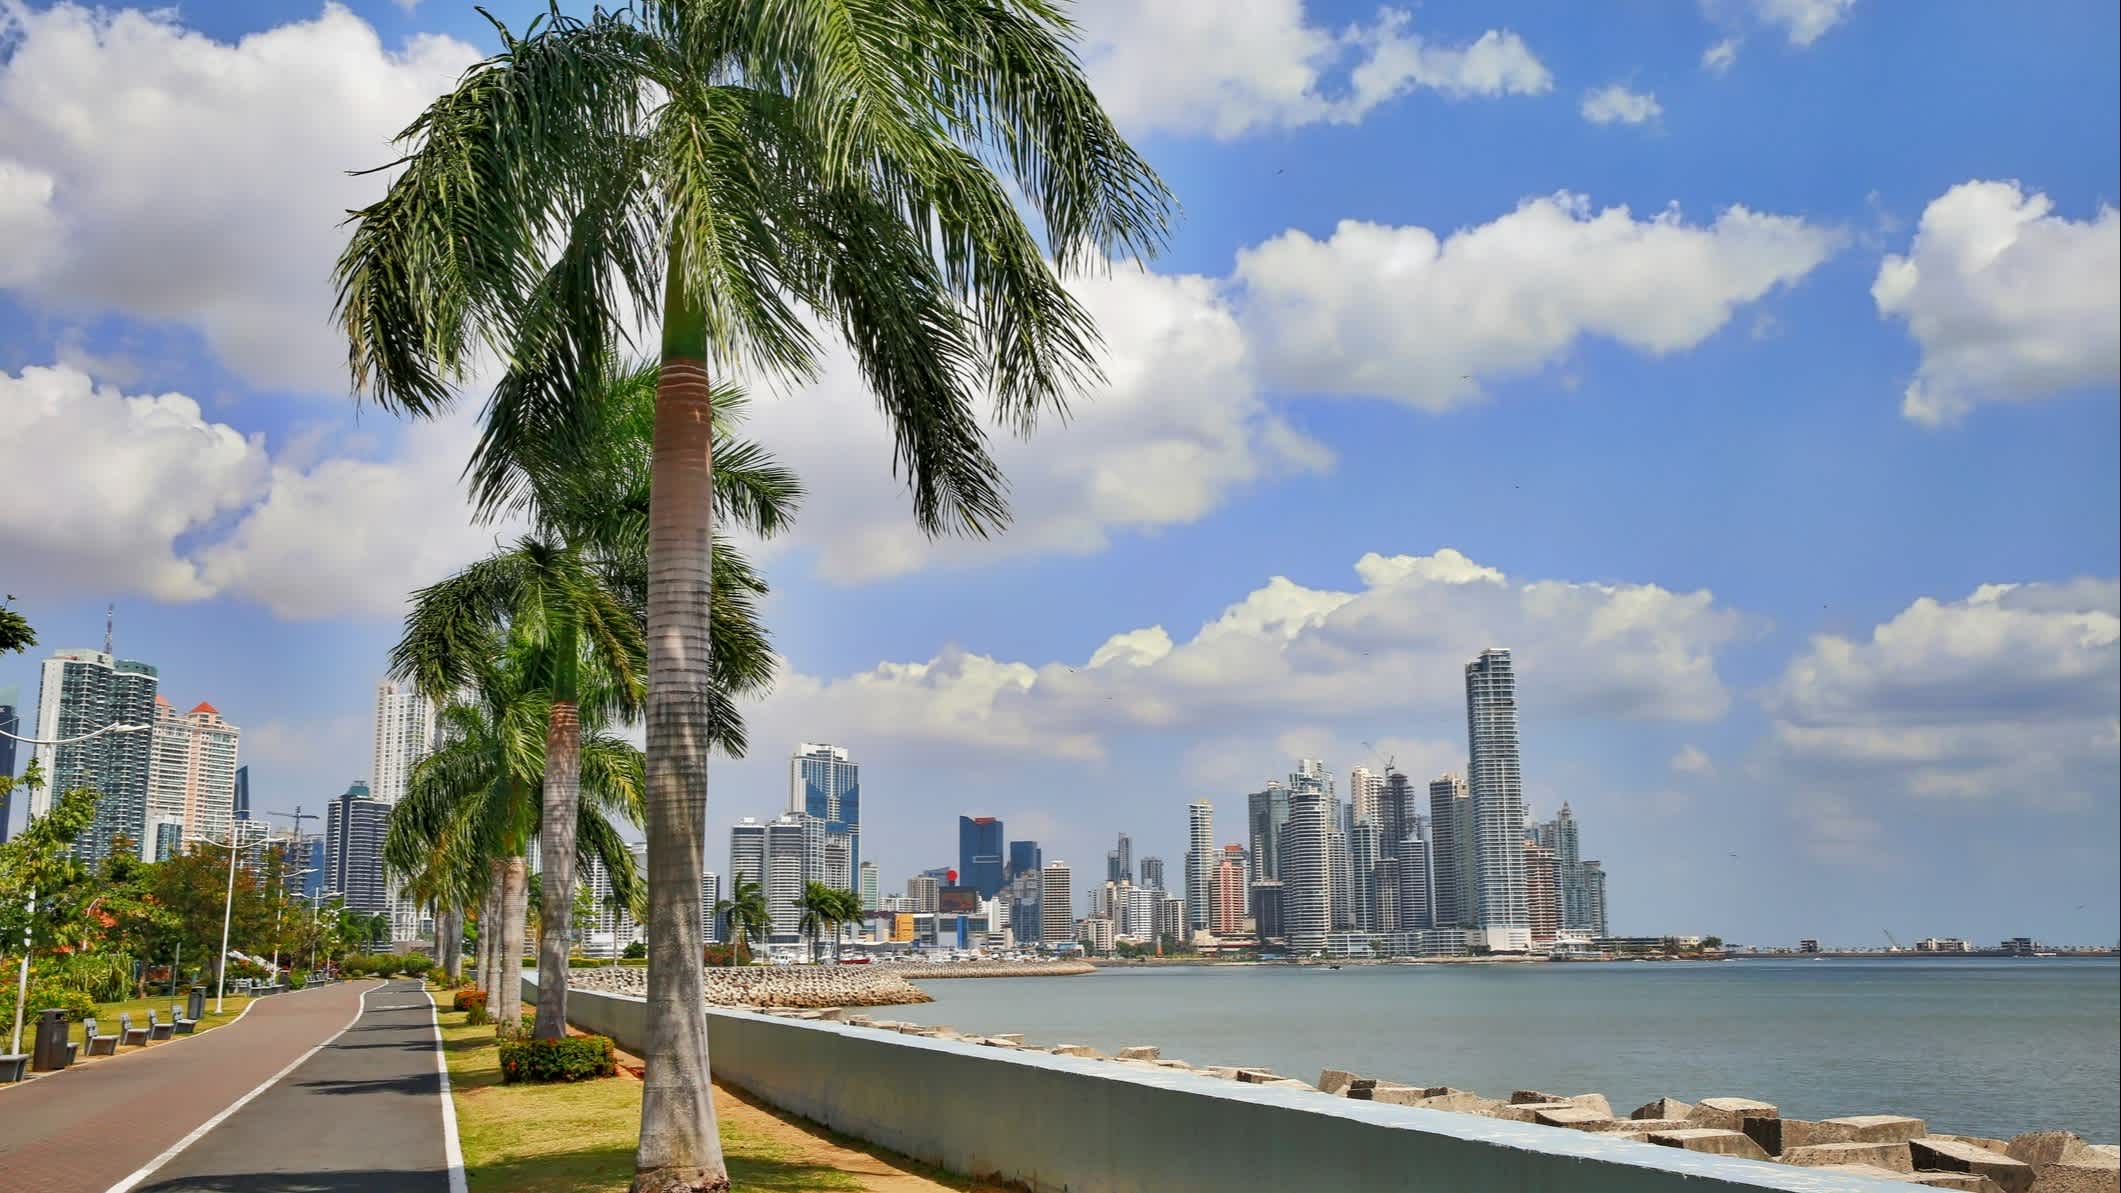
x,y
1009,1037
1937,1153
1957,1180
1531,1097
1880,1128
1663,1108
1714,1140
1778,1135
1169,1062
2046,1147
1140,1052
1582,1118
2077,1176
1870,1171
1459,1101
1891,1156
1639,1126
2110,1152
1526,1112
1258,1076
2000,1146
1072,1050
1726,1114
1334,1081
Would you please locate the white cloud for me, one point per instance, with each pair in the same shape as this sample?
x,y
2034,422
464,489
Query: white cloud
x,y
1615,104
1178,428
1802,21
1692,760
2011,694
1287,653
116,493
1719,58
1399,312
162,174
1201,66
2008,301
101,485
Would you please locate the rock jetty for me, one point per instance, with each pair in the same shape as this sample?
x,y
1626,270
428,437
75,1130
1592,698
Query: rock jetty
x,y
1884,1146
990,969
799,986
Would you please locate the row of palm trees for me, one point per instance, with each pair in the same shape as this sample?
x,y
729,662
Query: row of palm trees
x,y
749,917
732,178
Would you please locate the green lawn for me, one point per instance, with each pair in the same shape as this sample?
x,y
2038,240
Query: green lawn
x,y
107,1014
580,1138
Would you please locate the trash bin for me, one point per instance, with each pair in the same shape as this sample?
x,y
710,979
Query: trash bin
x,y
195,1006
50,1053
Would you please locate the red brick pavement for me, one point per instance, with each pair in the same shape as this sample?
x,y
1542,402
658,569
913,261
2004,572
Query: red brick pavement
x,y
83,1130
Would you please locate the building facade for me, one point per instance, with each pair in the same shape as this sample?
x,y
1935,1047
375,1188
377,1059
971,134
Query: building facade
x,y
10,723
1024,858
1542,892
1152,873
871,887
1056,904
1594,900
825,783
1266,811
1227,910
1200,861
1501,918
354,826
788,843
1306,873
191,776
1119,861
83,691
979,854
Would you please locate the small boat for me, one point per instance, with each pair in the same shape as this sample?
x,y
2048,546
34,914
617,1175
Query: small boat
x,y
1332,967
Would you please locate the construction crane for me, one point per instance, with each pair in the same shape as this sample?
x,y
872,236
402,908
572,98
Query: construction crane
x,y
1894,939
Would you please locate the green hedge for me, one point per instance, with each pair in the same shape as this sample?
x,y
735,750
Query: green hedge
x,y
575,1058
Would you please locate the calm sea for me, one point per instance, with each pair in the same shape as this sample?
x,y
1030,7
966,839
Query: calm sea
x,y
1983,1047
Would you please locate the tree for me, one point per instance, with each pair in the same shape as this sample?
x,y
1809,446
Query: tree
x,y
845,907
746,913
735,168
16,635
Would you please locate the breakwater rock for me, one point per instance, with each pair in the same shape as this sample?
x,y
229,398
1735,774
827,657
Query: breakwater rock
x,y
990,969
799,986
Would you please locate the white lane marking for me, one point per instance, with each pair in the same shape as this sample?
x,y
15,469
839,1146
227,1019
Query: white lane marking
x,y
149,1169
452,1149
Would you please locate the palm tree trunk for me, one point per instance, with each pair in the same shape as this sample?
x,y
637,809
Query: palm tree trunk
x,y
490,917
515,933
556,845
681,1146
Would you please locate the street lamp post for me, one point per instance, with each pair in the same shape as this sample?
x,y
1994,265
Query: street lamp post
x,y
234,846
280,911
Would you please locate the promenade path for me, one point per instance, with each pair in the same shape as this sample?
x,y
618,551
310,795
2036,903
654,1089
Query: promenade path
x,y
343,1097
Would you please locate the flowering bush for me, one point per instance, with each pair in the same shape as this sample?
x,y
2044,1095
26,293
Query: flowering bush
x,y
574,1058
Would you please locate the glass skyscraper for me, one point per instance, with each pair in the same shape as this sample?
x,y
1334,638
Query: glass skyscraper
x,y
979,854
1500,912
825,783
1024,856
84,691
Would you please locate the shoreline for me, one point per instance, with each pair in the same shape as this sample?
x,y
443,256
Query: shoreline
x,y
820,987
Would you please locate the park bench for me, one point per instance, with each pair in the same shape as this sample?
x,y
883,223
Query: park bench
x,y
14,1066
183,1026
128,1035
98,1044
156,1029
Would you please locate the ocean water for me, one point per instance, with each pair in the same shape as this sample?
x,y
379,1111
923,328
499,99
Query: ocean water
x,y
1980,1047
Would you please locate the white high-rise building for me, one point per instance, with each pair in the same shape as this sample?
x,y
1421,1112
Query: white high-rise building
x,y
1200,861
191,776
1501,918
747,852
710,894
1056,904
1138,912
405,733
825,782
787,850
872,884
1306,874
84,691
1367,791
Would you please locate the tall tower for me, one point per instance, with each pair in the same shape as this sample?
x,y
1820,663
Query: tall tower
x,y
1306,875
191,777
1563,838
824,782
1501,917
979,854
1366,791
405,733
1451,851
1200,861
1265,813
83,691
1056,904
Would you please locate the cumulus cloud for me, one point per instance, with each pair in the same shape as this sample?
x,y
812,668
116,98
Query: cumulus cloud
x,y
1201,66
1692,760
1401,312
2008,301
1614,103
1802,21
143,493
1179,427
150,170
2011,695
1286,653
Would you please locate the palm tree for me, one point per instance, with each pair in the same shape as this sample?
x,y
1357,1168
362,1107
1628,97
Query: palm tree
x,y
745,170
817,906
747,914
846,908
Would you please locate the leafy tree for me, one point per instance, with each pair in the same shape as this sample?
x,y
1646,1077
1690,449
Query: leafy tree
x,y
746,914
16,635
739,167
43,886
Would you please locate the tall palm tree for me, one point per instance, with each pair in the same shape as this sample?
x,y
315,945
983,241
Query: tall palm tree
x,y
816,906
745,171
747,914
846,909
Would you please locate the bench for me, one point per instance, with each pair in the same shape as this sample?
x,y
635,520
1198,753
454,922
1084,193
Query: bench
x,y
183,1026
97,1043
128,1035
14,1066
156,1029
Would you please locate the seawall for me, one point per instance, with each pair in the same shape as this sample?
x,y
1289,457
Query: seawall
x,y
1065,1124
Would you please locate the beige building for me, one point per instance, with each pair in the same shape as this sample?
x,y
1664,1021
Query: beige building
x,y
191,774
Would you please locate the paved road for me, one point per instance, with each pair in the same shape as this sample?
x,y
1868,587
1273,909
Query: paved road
x,y
362,1115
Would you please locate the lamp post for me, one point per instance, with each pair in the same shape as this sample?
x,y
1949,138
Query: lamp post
x,y
234,846
280,911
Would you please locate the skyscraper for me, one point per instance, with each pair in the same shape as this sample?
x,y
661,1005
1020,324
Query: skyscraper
x,y
191,773
747,853
824,782
1415,872
787,846
1056,904
1306,874
405,733
1265,813
83,691
10,722
925,892
1542,893
979,854
243,793
1594,899
1200,860
1152,873
354,826
1366,793
1267,909
1501,920
1227,910
1340,868
1023,858
1396,813
1119,862
1363,856
1451,851
1561,835
871,887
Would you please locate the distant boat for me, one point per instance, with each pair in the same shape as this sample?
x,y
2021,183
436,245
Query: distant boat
x,y
1332,967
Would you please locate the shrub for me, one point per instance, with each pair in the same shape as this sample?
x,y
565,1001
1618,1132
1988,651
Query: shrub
x,y
467,998
413,965
296,981
519,1030
636,949
575,1058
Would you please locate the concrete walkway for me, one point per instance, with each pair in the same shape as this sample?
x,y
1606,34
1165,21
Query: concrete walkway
x,y
361,1114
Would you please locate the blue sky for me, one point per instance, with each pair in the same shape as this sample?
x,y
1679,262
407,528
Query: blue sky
x,y
1728,362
